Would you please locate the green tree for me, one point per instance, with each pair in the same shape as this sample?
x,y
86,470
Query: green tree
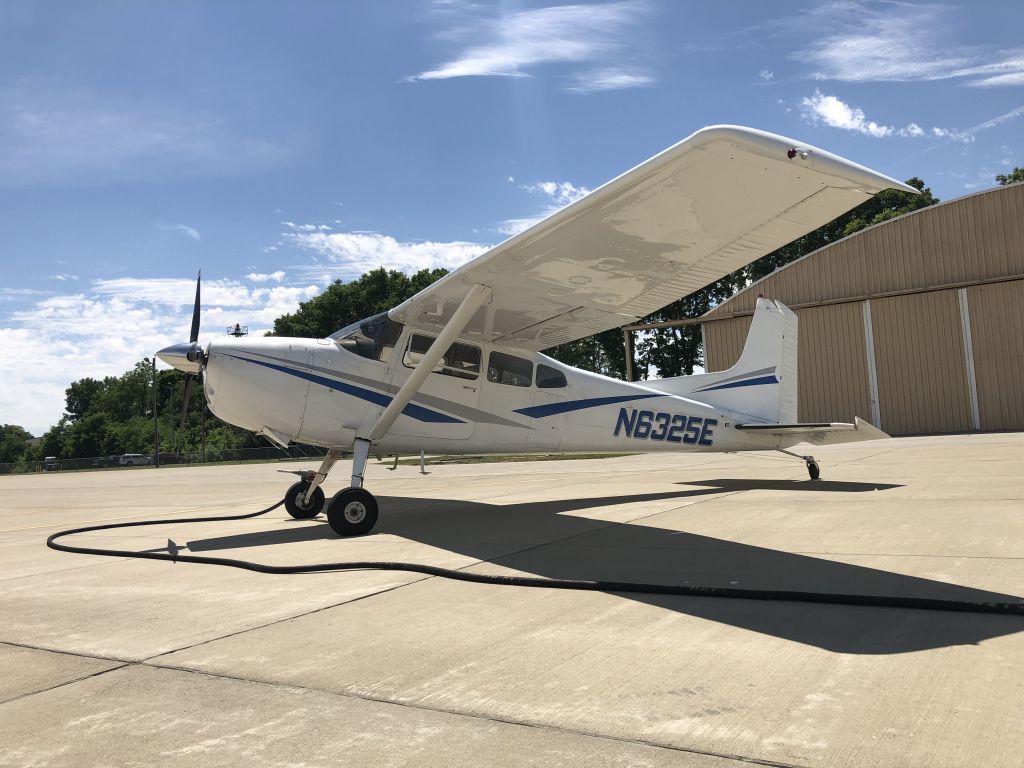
x,y
1014,176
887,204
342,304
13,443
81,395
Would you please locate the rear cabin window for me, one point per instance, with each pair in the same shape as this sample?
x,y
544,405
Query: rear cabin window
x,y
461,360
509,369
549,378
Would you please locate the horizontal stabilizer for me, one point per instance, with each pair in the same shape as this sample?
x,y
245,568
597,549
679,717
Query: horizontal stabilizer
x,y
818,434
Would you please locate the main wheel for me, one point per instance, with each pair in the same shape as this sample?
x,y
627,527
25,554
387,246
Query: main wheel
x,y
813,470
352,512
298,510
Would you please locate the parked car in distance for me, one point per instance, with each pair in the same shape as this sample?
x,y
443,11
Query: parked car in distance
x,y
50,464
134,460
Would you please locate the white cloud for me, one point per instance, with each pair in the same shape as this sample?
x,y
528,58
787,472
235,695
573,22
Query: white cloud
x,y
106,329
513,227
902,42
560,193
836,113
347,255
599,39
767,74
557,194
64,276
262,277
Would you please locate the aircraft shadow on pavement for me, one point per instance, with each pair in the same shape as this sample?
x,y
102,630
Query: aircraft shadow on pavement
x,y
542,538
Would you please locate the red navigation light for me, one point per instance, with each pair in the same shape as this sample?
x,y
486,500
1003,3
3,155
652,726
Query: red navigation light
x,y
791,154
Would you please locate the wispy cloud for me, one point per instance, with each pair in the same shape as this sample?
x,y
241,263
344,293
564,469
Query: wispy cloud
x,y
836,113
902,42
189,231
591,39
609,80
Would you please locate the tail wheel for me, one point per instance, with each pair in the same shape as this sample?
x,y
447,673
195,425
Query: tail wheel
x,y
293,502
813,470
352,512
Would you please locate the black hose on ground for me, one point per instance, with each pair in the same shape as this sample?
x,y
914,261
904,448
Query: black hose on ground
x,y
886,601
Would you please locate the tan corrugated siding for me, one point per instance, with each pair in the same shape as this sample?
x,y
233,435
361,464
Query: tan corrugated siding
x,y
723,342
919,357
979,237
997,335
833,373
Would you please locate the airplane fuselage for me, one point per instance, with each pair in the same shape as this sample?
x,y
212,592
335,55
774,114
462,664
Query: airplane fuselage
x,y
318,392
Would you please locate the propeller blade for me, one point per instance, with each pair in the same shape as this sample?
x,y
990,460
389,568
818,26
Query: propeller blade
x,y
194,336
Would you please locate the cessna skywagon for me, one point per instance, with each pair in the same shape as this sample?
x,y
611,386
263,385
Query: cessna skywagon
x,y
458,367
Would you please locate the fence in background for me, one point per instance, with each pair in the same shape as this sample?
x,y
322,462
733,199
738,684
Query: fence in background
x,y
219,456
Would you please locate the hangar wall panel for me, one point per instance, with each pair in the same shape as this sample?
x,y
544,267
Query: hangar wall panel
x,y
919,358
833,370
832,374
723,342
997,335
910,268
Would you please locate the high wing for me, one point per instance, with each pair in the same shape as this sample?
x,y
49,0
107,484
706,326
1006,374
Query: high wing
x,y
701,209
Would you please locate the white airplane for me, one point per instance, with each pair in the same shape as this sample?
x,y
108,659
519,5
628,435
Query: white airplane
x,y
458,368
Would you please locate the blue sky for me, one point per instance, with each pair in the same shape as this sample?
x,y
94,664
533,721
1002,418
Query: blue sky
x,y
279,146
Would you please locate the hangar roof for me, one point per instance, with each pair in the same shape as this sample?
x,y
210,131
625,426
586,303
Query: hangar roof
x,y
969,240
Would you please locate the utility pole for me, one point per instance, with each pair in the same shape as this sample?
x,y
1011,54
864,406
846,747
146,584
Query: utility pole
x,y
156,420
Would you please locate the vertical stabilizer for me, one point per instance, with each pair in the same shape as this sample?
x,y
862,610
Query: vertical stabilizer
x,y
763,383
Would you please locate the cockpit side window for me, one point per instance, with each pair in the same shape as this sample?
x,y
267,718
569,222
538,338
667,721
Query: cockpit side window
x,y
373,338
461,360
509,369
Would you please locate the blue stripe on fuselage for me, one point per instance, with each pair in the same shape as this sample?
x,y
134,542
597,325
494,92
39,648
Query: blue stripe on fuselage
x,y
417,412
550,409
747,383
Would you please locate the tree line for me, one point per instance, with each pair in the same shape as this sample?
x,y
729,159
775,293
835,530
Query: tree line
x,y
115,415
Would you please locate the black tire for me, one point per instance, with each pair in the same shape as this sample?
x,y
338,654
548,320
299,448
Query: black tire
x,y
352,512
293,504
813,470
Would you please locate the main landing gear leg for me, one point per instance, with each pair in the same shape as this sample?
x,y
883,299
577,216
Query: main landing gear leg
x,y
353,511
305,499
813,470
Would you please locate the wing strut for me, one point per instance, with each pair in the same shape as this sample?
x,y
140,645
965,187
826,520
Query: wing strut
x,y
478,295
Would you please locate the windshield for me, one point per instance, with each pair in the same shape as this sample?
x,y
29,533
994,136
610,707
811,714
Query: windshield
x,y
373,338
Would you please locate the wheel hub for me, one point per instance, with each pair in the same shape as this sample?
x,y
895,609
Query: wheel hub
x,y
355,512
